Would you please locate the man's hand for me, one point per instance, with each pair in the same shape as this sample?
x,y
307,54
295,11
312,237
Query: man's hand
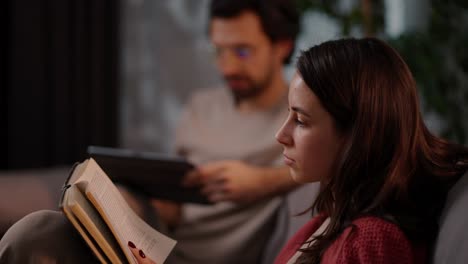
x,y
238,181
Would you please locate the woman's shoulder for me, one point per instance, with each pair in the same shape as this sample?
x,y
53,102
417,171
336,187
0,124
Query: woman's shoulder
x,y
368,225
373,239
378,233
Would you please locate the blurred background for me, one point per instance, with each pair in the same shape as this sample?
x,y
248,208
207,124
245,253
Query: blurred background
x,y
117,73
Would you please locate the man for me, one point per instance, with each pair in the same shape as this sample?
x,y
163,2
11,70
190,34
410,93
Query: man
x,y
229,133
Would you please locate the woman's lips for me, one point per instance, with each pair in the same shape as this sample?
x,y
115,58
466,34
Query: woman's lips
x,y
288,161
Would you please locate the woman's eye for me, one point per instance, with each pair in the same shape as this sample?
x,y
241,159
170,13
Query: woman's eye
x,y
298,121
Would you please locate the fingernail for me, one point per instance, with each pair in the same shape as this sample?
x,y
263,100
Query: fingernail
x,y
130,244
142,254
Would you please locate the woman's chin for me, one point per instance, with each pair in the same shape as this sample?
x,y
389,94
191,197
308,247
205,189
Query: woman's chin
x,y
300,178
297,177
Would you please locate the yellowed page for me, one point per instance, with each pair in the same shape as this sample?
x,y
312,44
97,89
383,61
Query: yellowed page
x,y
80,228
90,218
121,219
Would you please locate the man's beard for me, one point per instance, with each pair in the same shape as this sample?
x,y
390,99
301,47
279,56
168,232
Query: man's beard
x,y
253,88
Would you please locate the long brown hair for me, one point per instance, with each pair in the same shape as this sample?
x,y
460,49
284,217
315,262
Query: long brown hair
x,y
390,165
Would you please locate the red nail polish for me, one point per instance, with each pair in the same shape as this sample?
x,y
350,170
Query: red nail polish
x,y
130,244
142,254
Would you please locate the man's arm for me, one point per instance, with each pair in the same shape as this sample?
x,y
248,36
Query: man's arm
x,y
237,181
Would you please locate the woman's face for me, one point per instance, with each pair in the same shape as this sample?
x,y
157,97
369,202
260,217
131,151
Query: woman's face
x,y
309,136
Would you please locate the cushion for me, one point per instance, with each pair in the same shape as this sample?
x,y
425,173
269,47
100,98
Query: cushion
x,y
452,241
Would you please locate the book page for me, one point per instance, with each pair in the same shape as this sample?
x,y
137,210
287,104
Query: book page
x,y
81,229
97,228
121,219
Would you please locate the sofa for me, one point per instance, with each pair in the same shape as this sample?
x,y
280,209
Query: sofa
x,y
28,190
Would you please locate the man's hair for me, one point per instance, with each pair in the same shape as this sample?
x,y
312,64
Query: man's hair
x,y
279,18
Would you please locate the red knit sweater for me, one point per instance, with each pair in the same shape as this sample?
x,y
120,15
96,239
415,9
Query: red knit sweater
x,y
374,240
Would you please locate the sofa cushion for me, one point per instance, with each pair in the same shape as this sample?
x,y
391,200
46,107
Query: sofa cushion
x,y
452,241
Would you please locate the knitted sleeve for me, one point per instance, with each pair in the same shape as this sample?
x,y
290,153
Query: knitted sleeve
x,y
373,241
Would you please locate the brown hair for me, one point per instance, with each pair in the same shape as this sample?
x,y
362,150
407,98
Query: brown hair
x,y
279,18
390,165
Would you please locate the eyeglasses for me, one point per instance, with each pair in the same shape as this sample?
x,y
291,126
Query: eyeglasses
x,y
241,52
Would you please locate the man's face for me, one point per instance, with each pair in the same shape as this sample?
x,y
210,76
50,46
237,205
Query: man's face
x,y
244,54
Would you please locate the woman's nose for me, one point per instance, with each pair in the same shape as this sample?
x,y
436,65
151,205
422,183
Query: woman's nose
x,y
282,136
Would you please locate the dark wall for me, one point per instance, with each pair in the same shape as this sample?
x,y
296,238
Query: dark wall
x,y
60,90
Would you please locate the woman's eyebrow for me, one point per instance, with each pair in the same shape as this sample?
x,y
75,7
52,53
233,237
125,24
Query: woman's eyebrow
x,y
300,111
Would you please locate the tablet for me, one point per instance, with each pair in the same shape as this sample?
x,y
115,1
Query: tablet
x,y
153,174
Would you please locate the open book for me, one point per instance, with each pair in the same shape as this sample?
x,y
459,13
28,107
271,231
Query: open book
x,y
95,207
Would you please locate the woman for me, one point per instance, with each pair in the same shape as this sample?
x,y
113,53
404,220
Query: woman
x,y
354,124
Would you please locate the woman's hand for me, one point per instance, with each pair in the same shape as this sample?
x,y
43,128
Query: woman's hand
x,y
139,255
